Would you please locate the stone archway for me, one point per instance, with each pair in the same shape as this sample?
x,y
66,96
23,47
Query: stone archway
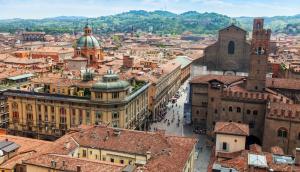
x,y
252,140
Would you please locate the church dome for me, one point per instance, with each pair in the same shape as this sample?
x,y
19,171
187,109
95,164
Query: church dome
x,y
87,40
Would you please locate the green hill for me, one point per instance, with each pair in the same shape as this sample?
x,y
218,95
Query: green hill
x,y
161,22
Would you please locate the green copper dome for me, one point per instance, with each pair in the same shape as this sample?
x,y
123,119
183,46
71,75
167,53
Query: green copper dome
x,y
110,82
87,41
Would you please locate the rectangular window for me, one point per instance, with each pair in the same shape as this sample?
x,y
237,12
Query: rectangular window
x,y
224,146
122,161
98,117
80,116
99,95
52,109
73,117
112,160
115,95
83,153
115,115
87,117
63,119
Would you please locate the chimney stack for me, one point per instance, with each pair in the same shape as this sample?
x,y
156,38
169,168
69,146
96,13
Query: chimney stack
x,y
297,157
53,164
78,168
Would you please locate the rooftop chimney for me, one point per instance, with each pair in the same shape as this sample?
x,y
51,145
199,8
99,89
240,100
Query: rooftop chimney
x,y
148,155
78,168
117,132
63,164
297,157
53,164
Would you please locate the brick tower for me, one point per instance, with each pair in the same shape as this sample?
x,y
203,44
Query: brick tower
x,y
259,56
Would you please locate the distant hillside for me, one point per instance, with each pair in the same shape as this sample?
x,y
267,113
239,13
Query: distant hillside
x,y
277,23
161,22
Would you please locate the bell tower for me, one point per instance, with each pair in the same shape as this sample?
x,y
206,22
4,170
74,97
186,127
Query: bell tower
x,y
259,56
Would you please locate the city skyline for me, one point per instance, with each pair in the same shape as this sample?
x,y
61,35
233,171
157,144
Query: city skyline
x,y
35,9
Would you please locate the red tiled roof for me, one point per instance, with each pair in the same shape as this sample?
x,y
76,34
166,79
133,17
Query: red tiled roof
x,y
222,78
255,148
232,128
175,158
168,153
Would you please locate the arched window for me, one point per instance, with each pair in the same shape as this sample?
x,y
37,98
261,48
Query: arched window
x,y
230,109
238,109
248,111
282,132
231,47
258,26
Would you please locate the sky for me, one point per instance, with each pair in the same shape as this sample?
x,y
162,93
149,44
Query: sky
x,y
36,9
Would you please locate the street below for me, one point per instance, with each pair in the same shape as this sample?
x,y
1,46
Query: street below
x,y
174,124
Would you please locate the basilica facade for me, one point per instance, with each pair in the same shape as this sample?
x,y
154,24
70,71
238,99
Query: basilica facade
x,y
230,53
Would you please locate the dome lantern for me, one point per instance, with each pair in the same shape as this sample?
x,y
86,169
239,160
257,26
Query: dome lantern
x,y
87,30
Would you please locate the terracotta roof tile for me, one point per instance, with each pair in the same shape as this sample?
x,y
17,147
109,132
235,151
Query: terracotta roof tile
x,y
222,78
232,128
168,153
277,150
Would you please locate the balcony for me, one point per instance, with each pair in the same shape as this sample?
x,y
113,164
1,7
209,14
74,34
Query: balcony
x,y
63,126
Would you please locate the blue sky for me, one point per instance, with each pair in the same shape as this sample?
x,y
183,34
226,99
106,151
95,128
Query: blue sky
x,y
95,8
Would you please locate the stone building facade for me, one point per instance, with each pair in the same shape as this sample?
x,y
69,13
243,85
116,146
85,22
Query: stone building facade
x,y
33,36
50,114
269,106
230,53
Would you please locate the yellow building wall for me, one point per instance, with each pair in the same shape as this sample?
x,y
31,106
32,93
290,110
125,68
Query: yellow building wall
x,y
106,155
136,105
234,143
6,170
190,164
